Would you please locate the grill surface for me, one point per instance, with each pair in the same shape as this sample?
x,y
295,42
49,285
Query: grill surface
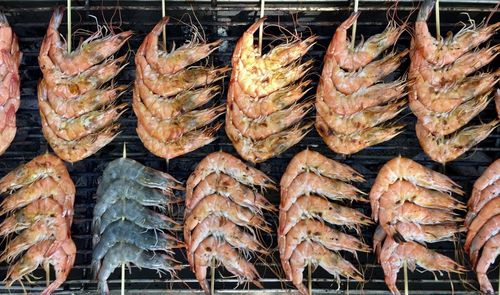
x,y
227,20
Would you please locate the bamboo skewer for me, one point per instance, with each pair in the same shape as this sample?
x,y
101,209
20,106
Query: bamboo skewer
x,y
68,36
163,12
405,270
46,267
354,25
309,278
261,28
124,155
438,22
212,277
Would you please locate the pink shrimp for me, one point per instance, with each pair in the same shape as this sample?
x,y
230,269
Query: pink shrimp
x,y
489,210
489,177
491,251
486,195
490,229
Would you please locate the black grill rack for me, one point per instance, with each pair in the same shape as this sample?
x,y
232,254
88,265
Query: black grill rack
x,y
227,20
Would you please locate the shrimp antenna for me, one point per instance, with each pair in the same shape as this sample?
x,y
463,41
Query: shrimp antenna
x,y
495,9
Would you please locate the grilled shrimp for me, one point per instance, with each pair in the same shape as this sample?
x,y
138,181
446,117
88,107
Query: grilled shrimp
x,y
486,195
124,253
309,183
255,108
221,162
363,98
443,150
491,209
393,255
76,150
423,233
261,128
62,259
30,214
442,124
230,188
489,177
353,59
401,168
62,192
229,257
128,169
225,230
446,99
165,108
169,63
362,120
124,189
91,52
320,208
316,254
76,128
312,161
490,229
490,252
124,231
46,165
348,144
9,132
257,151
188,142
45,228
88,102
173,128
445,52
350,82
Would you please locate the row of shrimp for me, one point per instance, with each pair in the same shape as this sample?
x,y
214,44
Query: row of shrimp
x,y
483,224
39,200
10,58
263,102
352,104
414,206
224,217
443,93
310,181
78,109
169,91
126,227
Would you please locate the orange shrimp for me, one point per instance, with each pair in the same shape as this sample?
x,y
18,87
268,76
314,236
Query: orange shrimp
x,y
489,177
92,51
446,149
352,143
309,183
400,168
169,63
9,130
489,210
46,165
445,52
62,259
490,229
188,142
53,227
230,188
221,162
490,252
486,195
314,253
353,59
424,233
312,161
260,150
442,124
318,207
228,256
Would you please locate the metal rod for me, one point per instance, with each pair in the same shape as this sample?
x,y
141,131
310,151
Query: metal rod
x,y
212,276
261,28
68,37
163,12
405,270
309,278
438,22
355,24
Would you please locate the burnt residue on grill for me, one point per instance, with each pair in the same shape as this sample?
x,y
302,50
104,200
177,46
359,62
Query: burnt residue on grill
x,y
227,20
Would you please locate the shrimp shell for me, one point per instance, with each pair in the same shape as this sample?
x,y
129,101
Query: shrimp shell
x,y
490,252
490,229
491,209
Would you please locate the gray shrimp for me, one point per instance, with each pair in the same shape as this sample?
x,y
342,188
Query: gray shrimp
x,y
126,231
125,168
125,189
124,253
134,212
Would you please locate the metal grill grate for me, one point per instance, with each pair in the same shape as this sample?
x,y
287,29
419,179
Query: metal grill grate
x,y
227,20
